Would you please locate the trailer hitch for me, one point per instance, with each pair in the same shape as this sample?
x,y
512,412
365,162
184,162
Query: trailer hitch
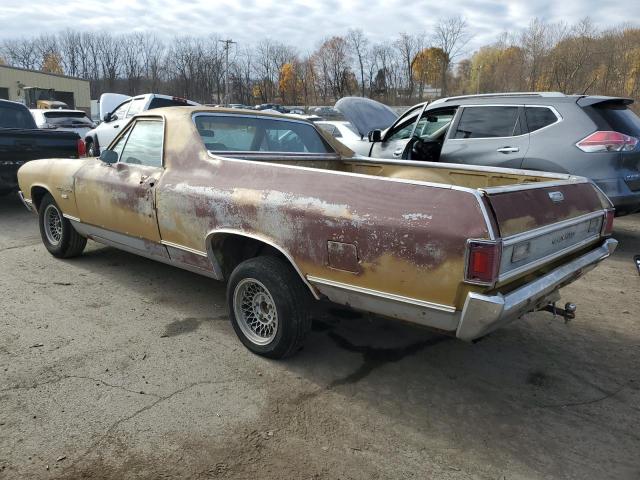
x,y
568,312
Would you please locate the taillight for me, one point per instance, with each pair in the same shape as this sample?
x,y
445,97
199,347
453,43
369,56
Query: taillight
x,y
607,224
607,141
82,148
483,261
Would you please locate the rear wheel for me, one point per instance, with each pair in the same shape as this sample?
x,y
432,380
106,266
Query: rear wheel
x,y
269,306
58,235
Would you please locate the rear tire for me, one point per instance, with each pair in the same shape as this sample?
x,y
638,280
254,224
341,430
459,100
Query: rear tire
x,y
269,306
58,235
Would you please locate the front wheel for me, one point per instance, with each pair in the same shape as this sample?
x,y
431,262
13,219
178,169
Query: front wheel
x,y
58,235
269,306
92,148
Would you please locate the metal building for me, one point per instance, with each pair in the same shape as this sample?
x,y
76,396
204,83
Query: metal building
x,y
19,85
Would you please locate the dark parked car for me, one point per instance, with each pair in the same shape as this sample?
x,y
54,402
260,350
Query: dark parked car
x,y
21,141
590,136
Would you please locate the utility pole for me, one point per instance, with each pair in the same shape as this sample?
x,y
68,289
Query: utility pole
x,y
227,43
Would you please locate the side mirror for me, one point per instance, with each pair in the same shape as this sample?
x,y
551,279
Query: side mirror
x,y
109,157
375,136
108,117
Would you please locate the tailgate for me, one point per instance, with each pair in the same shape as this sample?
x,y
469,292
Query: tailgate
x,y
521,208
539,224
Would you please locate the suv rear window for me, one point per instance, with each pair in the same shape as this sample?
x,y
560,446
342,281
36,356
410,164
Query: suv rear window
x,y
539,117
159,102
68,118
487,122
615,116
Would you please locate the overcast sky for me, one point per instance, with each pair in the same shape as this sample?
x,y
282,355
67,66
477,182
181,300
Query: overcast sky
x,y
297,22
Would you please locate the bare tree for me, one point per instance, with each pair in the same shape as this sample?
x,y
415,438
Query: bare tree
x,y
452,37
359,44
408,46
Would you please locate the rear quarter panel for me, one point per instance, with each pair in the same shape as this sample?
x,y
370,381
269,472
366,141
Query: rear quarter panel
x,y
410,238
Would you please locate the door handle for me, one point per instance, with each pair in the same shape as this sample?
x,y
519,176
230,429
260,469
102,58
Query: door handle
x,y
508,150
398,152
150,181
116,126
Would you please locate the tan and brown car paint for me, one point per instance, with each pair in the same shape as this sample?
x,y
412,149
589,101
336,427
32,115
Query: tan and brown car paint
x,y
362,232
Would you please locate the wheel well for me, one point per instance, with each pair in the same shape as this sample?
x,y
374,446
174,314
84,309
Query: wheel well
x,y
37,194
230,249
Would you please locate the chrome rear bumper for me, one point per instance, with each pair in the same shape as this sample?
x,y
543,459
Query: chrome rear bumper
x,y
26,202
482,314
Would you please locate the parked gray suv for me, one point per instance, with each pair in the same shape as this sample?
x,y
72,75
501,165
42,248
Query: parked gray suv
x,y
591,136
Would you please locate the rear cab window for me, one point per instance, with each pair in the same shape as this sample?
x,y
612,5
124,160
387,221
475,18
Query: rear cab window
x,y
15,116
488,122
236,133
159,102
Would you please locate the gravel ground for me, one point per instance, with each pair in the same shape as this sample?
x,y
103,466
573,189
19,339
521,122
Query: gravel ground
x,y
114,366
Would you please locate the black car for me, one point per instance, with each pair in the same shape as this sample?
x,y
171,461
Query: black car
x,y
586,135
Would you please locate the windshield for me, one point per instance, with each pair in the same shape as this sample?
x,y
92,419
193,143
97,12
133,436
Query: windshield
x,y
78,119
253,134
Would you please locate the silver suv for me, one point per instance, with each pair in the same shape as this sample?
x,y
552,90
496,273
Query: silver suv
x,y
590,136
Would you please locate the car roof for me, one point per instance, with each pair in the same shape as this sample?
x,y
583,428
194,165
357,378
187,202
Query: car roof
x,y
517,98
192,109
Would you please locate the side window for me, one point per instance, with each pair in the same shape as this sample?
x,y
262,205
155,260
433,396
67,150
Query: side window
x,y
539,117
487,122
144,144
122,110
433,123
136,107
402,131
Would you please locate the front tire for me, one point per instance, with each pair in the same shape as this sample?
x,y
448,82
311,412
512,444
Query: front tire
x,y
92,148
58,235
269,306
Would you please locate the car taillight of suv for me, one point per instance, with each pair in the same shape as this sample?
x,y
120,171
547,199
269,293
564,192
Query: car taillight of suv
x,y
607,141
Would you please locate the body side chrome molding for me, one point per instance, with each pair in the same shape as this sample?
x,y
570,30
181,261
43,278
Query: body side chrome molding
x,y
182,247
433,315
71,217
100,235
378,293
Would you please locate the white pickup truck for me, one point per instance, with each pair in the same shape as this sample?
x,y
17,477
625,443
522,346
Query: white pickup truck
x,y
116,111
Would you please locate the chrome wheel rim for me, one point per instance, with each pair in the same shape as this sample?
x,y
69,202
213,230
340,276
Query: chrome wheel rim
x,y
52,225
255,311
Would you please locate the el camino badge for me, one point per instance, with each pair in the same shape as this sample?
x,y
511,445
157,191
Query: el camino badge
x,y
556,197
563,237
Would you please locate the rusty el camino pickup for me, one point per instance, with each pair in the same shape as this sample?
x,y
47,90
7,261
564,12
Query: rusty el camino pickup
x,y
286,215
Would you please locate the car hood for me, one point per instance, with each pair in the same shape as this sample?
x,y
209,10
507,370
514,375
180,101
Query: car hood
x,y
366,114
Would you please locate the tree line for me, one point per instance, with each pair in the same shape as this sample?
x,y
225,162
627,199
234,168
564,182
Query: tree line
x,y
576,58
